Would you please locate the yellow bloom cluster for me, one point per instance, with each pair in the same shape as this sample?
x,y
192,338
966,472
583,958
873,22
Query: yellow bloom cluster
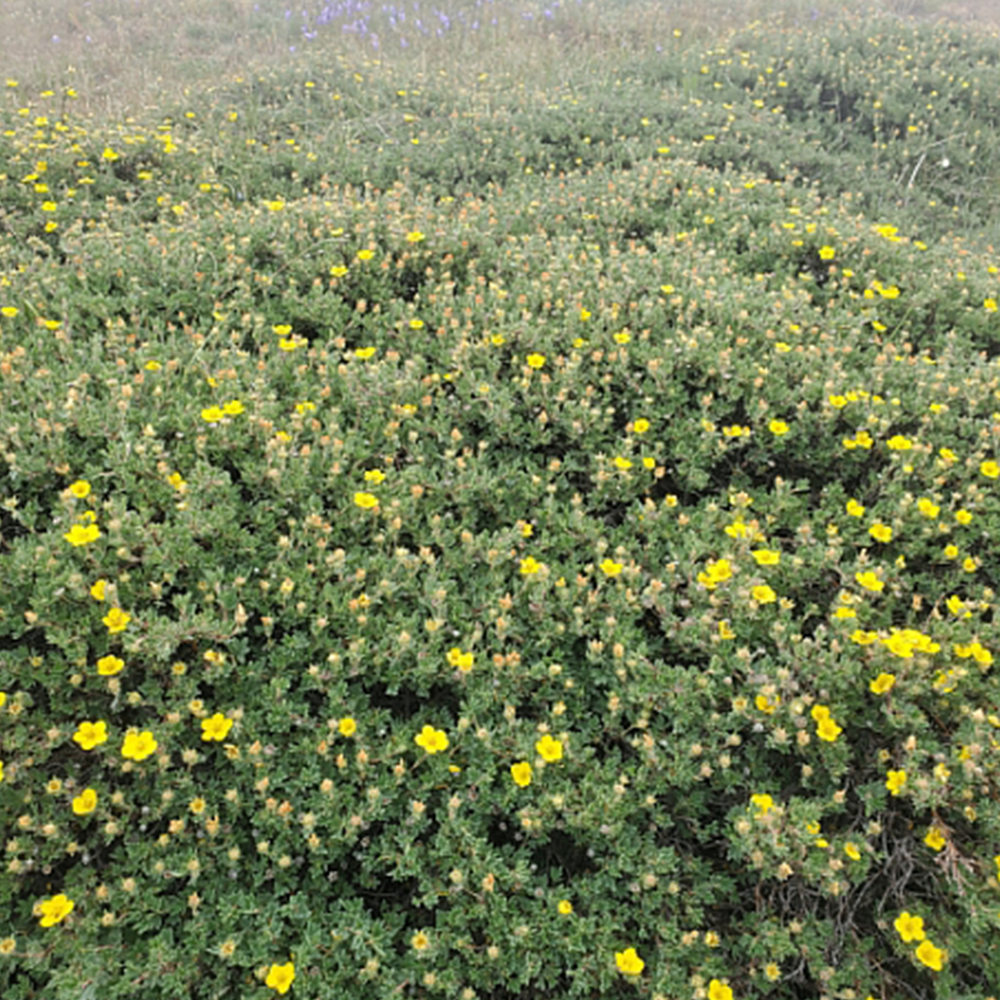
x,y
911,928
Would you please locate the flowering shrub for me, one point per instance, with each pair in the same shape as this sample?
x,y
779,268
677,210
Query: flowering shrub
x,y
557,564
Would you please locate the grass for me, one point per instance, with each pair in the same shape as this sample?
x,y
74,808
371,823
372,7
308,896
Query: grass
x,y
504,512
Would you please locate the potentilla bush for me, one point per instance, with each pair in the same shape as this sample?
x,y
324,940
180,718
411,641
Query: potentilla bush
x,y
576,587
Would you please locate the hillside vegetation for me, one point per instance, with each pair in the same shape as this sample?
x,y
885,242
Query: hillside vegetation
x,y
503,511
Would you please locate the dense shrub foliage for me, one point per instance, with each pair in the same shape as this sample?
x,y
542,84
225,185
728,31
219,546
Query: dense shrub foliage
x,y
465,541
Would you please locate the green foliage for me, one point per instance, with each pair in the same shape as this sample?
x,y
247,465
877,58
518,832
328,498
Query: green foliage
x,y
413,426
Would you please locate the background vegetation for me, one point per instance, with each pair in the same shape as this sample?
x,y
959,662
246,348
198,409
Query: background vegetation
x,y
497,501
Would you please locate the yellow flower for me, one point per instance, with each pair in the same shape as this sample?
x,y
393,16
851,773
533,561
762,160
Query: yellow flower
x,y
432,740
366,254
640,426
108,666
934,958
903,642
766,557
280,977
882,683
927,507
899,443
338,270
367,501
763,802
80,489
212,414
530,566
97,590
374,476
138,746
764,704
895,780
628,962
415,237
981,654
854,508
82,534
956,606
420,941
565,907
549,749
457,658
860,440
880,532
869,581
215,728
416,324
347,726
715,573
828,730
85,802
719,991
233,408
56,909
851,850
827,253
535,361
990,469
116,620
777,427
90,734
772,971
521,773
935,838
763,594
611,568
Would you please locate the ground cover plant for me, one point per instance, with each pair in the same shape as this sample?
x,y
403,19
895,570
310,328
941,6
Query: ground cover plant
x,y
481,525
